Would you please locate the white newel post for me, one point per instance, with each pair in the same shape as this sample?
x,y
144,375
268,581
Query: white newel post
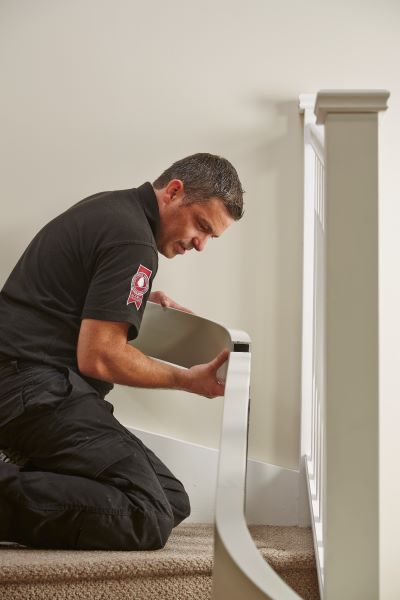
x,y
351,484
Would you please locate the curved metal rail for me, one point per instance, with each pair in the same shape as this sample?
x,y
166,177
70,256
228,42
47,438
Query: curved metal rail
x,y
184,339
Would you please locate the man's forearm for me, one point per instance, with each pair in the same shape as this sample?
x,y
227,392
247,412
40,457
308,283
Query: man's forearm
x,y
129,366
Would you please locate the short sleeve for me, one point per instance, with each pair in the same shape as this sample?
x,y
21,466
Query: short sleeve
x,y
121,284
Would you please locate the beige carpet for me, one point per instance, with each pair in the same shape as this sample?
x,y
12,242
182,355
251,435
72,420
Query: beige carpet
x,y
182,570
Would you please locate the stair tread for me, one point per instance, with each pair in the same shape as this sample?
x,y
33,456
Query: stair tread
x,y
188,551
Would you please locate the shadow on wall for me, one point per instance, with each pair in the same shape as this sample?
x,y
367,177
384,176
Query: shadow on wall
x,y
271,263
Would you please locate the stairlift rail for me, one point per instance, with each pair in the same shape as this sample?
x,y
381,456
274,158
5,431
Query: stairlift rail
x,y
184,339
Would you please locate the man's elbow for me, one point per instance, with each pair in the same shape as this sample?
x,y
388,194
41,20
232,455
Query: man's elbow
x,y
99,348
92,365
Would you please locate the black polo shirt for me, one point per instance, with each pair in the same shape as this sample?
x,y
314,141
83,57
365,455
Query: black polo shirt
x,y
96,260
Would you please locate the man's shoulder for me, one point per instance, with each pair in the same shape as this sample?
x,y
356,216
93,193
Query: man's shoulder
x,y
111,215
110,202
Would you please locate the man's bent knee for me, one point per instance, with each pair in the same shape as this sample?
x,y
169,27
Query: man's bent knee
x,y
181,507
157,535
135,531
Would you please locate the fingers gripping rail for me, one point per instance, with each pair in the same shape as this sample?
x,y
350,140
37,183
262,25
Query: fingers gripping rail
x,y
185,339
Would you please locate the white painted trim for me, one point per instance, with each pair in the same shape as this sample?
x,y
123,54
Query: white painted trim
x,y
348,388
351,400
317,532
349,101
271,494
316,137
306,102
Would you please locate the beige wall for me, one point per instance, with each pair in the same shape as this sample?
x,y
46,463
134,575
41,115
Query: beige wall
x,y
105,94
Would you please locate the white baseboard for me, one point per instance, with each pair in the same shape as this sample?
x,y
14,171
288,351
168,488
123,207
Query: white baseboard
x,y
272,492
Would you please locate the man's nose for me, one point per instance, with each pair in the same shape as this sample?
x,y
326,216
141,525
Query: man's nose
x,y
199,243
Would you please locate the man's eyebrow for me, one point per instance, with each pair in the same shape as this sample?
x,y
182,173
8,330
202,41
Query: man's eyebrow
x,y
206,224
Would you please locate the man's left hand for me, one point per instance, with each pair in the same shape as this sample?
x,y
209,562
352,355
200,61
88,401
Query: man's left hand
x,y
164,300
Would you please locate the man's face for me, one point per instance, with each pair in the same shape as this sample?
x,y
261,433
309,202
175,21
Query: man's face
x,y
186,226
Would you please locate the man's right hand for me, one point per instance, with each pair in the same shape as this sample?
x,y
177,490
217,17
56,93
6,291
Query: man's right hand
x,y
203,379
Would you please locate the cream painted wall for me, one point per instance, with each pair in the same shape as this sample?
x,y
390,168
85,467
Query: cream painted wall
x,y
102,94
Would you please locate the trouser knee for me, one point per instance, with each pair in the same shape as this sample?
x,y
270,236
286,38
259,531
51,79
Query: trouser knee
x,y
136,531
182,508
152,532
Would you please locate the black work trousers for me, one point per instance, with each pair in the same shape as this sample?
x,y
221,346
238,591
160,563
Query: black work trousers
x,y
88,483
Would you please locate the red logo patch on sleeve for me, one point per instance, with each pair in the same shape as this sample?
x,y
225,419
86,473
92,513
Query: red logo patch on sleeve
x,y
139,286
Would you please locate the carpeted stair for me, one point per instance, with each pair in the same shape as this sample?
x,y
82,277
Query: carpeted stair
x,y
180,571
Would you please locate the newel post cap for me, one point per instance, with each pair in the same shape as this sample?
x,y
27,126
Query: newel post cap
x,y
349,101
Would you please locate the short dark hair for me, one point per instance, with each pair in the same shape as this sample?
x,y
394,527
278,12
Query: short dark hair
x,y
207,176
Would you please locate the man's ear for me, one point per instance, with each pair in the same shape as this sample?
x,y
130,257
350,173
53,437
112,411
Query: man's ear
x,y
173,190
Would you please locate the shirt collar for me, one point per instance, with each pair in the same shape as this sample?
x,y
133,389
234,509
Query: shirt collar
x,y
149,203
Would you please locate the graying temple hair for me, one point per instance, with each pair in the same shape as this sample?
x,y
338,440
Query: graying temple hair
x,y
207,176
